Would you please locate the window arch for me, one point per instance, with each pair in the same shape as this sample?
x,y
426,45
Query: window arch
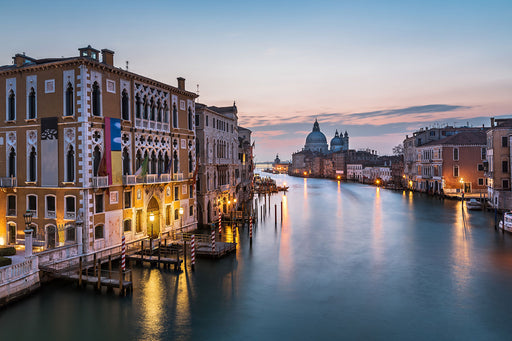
x,y
153,163
190,122
152,109
174,116
124,105
11,115
70,164
69,100
50,206
167,168
137,106
69,207
32,204
32,104
145,108
96,99
32,165
138,159
12,163
161,165
175,162
97,160
126,162
165,113
158,111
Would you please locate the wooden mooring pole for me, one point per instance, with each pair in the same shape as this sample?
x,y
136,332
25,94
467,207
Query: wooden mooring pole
x,y
80,272
99,275
275,213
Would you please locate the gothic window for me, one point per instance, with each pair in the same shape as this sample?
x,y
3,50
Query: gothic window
x,y
152,110
70,164
69,100
166,163
153,163
138,159
158,111
137,106
190,162
174,116
190,122
146,108
126,162
32,164
32,104
124,105
12,106
96,99
97,160
175,162
12,163
166,118
161,166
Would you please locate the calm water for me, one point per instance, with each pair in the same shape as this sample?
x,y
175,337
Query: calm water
x,y
348,261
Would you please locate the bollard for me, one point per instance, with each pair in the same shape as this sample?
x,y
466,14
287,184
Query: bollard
x,y
213,240
123,253
121,287
193,251
220,223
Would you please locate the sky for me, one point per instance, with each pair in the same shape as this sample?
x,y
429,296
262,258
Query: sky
x,y
376,69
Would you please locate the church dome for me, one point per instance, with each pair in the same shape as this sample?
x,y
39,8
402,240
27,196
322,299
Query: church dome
x,y
316,136
336,140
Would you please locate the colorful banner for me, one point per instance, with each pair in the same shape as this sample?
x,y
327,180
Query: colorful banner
x,y
50,150
114,161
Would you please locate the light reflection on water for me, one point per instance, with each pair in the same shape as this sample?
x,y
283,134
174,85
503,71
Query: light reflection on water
x,y
347,261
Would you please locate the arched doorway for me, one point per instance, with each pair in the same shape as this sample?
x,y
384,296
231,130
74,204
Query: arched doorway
x,y
11,233
51,236
153,218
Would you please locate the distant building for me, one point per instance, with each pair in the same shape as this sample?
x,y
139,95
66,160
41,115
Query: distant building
x,y
280,167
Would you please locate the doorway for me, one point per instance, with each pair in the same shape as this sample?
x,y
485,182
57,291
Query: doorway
x,y
153,218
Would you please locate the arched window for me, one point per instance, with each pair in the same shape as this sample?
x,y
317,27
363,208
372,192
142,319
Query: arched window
x,y
12,163
158,111
153,163
126,162
175,162
70,164
174,116
69,100
124,105
145,108
166,116
161,165
32,104
190,162
138,159
152,110
12,106
96,99
167,166
32,164
127,225
97,159
137,106
190,122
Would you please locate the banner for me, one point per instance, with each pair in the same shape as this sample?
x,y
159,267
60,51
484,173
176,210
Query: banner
x,y
50,152
114,161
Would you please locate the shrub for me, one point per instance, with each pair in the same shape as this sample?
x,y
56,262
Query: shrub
x,y
7,251
4,261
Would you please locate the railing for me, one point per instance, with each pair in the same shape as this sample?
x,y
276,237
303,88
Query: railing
x,y
151,178
70,215
100,181
177,177
11,212
129,179
204,239
165,177
148,124
50,214
224,188
8,182
16,271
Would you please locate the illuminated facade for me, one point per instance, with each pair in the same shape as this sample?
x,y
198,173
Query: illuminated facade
x,y
80,137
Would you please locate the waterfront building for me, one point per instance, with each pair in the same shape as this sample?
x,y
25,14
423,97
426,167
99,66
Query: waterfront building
x,y
497,166
83,138
219,172
280,167
246,159
355,172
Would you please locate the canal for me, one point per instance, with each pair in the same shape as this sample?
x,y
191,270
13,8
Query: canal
x,y
347,261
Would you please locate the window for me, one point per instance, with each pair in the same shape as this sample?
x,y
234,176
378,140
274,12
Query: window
x,y
207,120
190,163
32,204
455,171
99,203
191,191
480,167
191,211
455,154
127,199
11,115
12,163
11,205
480,182
32,165
124,105
98,232
176,214
32,104
126,162
506,184
174,116
158,111
70,233
168,212
70,209
504,141
197,120
50,207
96,160
175,162
137,106
70,164
69,100
96,99
484,153
127,225
190,122
504,166
176,193
138,221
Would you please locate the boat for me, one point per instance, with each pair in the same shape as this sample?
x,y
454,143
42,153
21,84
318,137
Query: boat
x,y
473,204
506,223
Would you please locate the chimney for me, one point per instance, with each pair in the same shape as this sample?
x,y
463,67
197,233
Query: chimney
x,y
107,57
19,59
492,122
181,83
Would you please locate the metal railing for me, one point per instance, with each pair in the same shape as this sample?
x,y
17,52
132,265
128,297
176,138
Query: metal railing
x,y
8,182
177,177
99,181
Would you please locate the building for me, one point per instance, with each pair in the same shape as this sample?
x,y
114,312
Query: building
x,y
219,173
83,139
246,158
280,167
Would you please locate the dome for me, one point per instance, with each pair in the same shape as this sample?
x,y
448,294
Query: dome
x,y
316,136
336,140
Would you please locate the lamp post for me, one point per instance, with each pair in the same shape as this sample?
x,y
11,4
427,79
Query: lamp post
x,y
181,219
462,188
28,234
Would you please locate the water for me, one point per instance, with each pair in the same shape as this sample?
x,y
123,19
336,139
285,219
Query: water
x,y
348,262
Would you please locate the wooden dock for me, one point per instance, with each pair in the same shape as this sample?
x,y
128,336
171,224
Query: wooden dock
x,y
155,260
221,249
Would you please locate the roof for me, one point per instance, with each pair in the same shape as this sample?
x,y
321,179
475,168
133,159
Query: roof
x,y
462,138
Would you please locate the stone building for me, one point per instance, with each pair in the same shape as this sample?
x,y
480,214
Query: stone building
x,y
81,137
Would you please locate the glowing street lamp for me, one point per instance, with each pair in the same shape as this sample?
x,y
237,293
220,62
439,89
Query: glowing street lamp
x,y
181,218
462,187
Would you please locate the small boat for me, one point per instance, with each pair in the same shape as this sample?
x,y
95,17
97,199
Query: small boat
x,y
506,223
473,204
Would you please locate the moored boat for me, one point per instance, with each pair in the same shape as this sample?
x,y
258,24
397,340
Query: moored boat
x,y
506,223
473,204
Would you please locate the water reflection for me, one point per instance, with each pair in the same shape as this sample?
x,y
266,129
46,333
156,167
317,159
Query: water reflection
x,y
377,231
153,305
461,243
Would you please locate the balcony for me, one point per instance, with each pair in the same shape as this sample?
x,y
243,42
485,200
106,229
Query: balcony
x,y
70,215
51,215
129,180
99,181
8,182
151,178
224,188
152,125
177,177
165,177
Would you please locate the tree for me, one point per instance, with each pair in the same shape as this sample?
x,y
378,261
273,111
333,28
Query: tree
x,y
398,149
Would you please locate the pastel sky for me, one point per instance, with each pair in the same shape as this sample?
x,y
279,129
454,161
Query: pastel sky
x,y
377,69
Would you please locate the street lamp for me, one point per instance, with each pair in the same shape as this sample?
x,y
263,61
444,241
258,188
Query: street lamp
x,y
181,219
462,188
151,219
28,233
